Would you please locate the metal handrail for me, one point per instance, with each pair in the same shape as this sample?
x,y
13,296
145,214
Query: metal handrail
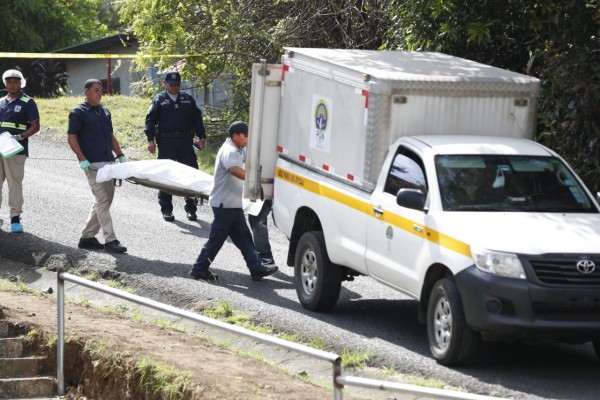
x,y
339,380
300,348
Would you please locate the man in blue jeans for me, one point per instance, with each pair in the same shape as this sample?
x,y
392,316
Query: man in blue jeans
x,y
260,231
226,202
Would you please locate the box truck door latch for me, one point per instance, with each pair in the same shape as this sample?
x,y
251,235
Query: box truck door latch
x,y
400,100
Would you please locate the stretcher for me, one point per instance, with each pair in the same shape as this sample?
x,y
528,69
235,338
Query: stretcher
x,y
166,175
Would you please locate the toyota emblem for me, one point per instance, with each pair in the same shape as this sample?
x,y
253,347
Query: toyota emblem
x,y
586,266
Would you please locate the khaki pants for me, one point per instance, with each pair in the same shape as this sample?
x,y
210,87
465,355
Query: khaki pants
x,y
13,170
99,216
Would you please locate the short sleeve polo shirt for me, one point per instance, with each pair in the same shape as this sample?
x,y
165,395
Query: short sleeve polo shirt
x,y
16,116
228,189
93,127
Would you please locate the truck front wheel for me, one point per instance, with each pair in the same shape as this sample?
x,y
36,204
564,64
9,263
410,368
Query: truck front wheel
x,y
451,341
317,280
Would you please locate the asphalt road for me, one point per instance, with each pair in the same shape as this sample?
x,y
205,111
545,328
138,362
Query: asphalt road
x,y
368,316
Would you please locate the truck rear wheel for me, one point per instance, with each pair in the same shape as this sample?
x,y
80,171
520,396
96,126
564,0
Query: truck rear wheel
x,y
451,341
317,280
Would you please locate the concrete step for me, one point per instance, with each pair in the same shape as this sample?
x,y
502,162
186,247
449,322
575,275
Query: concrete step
x,y
19,388
20,367
11,347
4,328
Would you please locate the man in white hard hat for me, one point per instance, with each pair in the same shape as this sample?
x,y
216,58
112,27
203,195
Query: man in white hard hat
x,y
20,117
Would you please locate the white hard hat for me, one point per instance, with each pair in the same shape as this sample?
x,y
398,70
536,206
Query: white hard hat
x,y
13,73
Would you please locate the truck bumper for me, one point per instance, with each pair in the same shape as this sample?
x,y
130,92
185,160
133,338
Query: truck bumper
x,y
501,308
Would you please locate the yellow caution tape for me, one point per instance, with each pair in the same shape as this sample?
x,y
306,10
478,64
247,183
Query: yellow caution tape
x,y
97,55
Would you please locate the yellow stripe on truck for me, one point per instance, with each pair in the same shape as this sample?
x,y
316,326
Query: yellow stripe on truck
x,y
449,242
389,217
321,190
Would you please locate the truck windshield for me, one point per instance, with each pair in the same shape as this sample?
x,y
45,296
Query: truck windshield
x,y
509,183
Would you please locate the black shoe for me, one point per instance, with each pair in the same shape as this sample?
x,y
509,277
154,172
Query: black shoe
x,y
204,275
90,244
115,247
263,271
268,262
169,217
191,216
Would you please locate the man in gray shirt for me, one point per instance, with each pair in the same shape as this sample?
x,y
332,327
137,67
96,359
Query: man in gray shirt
x,y
226,202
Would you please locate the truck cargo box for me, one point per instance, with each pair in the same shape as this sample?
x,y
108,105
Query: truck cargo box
x,y
338,111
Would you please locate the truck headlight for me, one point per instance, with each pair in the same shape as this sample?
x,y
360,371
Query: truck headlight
x,y
497,263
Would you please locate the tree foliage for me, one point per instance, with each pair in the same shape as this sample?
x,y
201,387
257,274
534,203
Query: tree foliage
x,y
108,14
41,26
485,31
224,37
32,26
556,41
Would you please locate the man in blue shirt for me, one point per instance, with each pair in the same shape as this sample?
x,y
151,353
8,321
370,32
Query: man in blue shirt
x,y
91,137
226,202
20,117
174,124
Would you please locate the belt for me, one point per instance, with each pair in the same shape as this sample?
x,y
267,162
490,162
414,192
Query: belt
x,y
189,133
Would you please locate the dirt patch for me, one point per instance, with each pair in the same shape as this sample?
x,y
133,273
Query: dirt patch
x,y
215,373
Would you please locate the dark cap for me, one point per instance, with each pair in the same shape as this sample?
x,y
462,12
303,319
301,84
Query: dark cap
x,y
238,127
172,77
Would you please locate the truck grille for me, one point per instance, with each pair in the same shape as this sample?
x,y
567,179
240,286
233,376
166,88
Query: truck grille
x,y
563,271
580,300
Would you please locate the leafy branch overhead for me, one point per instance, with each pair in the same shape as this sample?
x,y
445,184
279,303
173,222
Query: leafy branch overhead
x,y
555,41
32,26
226,37
42,26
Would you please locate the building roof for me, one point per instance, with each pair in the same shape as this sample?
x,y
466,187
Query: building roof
x,y
100,45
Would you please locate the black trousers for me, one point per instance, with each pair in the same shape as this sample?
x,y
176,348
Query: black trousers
x,y
178,149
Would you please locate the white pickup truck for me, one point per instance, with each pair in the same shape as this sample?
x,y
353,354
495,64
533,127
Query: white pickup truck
x,y
417,169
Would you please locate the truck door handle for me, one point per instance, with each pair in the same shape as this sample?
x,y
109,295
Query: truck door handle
x,y
418,228
378,211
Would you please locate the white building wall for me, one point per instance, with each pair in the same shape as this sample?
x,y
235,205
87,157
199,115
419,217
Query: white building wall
x,y
80,70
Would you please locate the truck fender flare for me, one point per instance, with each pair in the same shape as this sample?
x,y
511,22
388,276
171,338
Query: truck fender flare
x,y
434,274
305,220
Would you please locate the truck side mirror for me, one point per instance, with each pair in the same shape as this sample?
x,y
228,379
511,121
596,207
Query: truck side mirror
x,y
411,198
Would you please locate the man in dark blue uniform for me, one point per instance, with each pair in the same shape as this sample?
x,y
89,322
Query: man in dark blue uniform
x,y
91,137
174,124
20,117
